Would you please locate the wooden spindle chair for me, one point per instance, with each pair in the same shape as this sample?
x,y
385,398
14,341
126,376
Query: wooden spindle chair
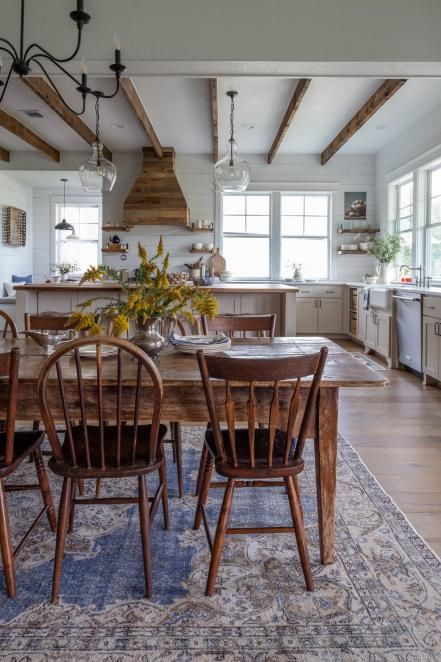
x,y
261,325
9,326
253,456
240,325
103,440
16,446
47,321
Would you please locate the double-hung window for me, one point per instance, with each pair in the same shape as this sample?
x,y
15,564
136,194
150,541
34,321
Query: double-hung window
x,y
433,226
404,208
264,234
83,250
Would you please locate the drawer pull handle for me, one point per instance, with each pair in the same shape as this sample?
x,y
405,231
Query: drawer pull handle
x,y
330,291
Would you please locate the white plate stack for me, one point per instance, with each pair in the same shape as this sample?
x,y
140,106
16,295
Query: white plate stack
x,y
191,344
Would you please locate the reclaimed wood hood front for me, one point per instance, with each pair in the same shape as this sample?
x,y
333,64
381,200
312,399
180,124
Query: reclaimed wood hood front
x,y
156,197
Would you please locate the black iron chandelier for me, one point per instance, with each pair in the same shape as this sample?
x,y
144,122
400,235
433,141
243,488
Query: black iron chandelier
x,y
23,59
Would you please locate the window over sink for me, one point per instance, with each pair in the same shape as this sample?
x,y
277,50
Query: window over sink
x,y
83,250
264,234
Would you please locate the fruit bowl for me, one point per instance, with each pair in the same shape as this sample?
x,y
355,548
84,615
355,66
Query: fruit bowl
x,y
177,278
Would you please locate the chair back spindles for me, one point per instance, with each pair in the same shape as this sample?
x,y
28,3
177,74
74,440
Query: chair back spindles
x,y
290,377
9,325
230,325
9,368
99,435
49,321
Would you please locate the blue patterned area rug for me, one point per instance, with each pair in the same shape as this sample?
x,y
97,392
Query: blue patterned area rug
x,y
380,601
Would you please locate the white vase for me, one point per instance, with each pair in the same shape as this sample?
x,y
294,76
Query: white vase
x,y
385,272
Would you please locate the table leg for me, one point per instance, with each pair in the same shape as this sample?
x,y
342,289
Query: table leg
x,y
326,469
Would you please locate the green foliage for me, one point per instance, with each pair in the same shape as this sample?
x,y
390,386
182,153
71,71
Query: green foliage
x,y
64,267
385,247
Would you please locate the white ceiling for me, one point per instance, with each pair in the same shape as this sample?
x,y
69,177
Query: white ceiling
x,y
180,111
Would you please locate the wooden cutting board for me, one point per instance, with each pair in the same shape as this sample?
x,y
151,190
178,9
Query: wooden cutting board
x,y
217,263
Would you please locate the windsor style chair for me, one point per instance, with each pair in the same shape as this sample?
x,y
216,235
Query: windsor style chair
x,y
16,446
230,325
96,446
9,325
253,456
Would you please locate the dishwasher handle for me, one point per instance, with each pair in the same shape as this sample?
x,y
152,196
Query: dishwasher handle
x,y
396,296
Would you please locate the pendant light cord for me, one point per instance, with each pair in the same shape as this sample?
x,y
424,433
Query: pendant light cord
x,y
231,130
64,198
97,131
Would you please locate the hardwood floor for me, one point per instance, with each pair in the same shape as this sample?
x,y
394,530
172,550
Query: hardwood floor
x,y
397,431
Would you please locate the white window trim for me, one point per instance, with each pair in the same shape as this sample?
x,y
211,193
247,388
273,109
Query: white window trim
x,y
275,238
74,201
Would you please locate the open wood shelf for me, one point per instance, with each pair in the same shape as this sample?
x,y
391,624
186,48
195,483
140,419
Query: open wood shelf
x,y
114,250
201,229
360,231
340,252
201,250
113,228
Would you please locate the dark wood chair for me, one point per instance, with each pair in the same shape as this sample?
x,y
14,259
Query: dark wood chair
x,y
96,446
9,326
48,321
231,325
253,456
15,447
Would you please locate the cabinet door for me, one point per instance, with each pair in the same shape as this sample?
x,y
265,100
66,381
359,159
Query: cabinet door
x,y
229,303
383,334
371,330
361,316
431,347
306,316
330,316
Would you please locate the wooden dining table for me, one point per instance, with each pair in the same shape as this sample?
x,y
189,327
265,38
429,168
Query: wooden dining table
x,y
184,399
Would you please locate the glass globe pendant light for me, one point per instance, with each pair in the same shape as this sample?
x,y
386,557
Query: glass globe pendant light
x,y
97,174
63,224
232,174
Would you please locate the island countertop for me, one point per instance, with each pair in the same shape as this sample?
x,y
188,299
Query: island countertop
x,y
269,288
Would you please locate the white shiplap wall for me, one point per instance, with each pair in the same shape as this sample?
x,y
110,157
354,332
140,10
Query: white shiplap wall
x,y
418,147
16,259
195,174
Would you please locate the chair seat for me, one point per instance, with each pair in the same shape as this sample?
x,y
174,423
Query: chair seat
x,y
261,437
142,460
25,442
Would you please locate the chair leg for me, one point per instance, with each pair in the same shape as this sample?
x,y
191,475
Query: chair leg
x,y
163,480
201,469
63,520
177,436
72,506
219,539
45,488
97,488
203,492
300,533
144,519
81,486
6,545
299,496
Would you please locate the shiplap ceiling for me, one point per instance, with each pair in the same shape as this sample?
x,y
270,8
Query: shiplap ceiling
x,y
180,111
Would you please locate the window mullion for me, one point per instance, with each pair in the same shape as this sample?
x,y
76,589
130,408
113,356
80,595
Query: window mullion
x,y
275,239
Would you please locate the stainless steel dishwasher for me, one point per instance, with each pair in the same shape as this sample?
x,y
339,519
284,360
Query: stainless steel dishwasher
x,y
409,329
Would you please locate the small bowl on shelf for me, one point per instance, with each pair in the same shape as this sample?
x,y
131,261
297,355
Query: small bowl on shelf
x,y
225,276
204,282
349,247
363,246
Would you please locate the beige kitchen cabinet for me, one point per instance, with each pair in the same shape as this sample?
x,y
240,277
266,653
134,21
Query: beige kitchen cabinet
x,y
378,334
306,315
431,347
329,317
319,309
361,316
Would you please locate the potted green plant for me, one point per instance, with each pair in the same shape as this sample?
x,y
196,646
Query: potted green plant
x,y
64,268
385,249
151,302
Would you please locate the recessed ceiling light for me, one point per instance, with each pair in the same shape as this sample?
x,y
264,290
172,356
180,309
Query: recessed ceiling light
x,y
32,112
379,127
247,126
117,126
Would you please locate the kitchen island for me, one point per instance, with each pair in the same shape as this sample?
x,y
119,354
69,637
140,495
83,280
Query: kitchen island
x,y
237,298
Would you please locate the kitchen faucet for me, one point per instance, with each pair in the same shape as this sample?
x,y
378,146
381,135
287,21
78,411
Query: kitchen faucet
x,y
420,269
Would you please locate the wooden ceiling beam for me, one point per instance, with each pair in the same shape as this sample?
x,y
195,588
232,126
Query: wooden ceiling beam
x,y
381,95
214,118
4,154
293,106
133,98
47,94
13,125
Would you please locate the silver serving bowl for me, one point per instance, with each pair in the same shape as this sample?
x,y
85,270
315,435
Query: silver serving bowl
x,y
49,340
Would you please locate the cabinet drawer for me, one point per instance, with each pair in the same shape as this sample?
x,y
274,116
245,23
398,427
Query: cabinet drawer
x,y
353,324
320,291
432,306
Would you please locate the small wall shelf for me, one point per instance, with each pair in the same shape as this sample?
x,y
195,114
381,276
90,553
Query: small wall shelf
x,y
115,228
360,231
120,249
201,229
201,250
340,252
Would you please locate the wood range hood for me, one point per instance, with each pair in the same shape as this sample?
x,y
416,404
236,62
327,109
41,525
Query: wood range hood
x,y
156,197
